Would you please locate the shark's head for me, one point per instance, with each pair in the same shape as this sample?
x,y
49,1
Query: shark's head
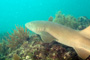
x,y
35,26
39,27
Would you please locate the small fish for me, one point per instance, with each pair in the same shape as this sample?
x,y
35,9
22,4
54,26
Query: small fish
x,y
49,31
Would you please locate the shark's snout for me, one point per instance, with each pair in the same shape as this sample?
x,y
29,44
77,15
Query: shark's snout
x,y
27,25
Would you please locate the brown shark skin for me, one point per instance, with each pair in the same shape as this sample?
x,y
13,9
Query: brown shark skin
x,y
70,37
64,35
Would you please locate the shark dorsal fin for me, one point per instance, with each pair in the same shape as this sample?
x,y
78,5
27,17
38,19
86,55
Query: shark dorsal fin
x,y
86,32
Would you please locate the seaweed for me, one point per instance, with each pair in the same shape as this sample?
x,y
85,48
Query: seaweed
x,y
17,38
50,18
3,50
2,35
16,57
72,22
38,50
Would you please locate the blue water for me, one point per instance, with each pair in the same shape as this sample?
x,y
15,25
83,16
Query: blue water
x,y
21,11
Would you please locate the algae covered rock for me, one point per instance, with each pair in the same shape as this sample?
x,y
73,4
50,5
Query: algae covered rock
x,y
72,22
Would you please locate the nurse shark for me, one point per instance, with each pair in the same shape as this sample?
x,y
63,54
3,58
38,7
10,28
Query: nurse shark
x,y
49,31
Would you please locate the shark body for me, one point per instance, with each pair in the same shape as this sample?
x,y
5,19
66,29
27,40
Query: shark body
x,y
50,31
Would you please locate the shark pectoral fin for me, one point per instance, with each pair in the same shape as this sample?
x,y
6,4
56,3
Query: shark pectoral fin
x,y
82,52
46,37
86,32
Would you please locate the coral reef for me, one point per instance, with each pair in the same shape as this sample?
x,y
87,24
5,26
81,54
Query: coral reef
x,y
35,49
70,21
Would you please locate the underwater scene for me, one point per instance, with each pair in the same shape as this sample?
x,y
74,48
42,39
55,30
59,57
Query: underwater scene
x,y
44,29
